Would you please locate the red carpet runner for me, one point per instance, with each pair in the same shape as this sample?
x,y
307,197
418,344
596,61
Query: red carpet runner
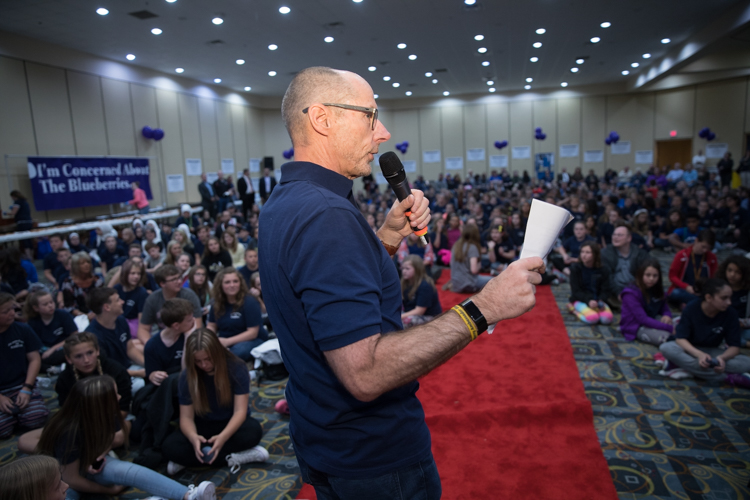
x,y
509,417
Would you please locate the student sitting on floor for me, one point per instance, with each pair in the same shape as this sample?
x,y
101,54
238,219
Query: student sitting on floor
x,y
163,353
645,312
704,326
32,478
20,402
735,270
80,435
466,262
215,427
690,265
588,284
131,290
420,298
51,325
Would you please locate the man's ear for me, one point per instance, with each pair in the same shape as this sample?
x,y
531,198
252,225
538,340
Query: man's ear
x,y
320,119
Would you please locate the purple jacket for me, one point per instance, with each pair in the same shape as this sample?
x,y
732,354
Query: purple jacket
x,y
633,315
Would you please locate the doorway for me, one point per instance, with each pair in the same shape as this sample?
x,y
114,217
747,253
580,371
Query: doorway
x,y
673,151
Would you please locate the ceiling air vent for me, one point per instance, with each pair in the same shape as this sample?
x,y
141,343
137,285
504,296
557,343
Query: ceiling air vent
x,y
441,70
216,43
143,14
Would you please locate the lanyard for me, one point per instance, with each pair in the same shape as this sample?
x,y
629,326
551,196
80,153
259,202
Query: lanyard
x,y
696,271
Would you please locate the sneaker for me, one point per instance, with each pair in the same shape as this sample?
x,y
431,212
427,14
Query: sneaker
x,y
257,454
739,379
560,275
675,373
174,468
205,491
54,370
660,360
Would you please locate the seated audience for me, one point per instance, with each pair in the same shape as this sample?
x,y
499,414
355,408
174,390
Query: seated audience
x,y
154,258
215,257
735,270
622,259
110,252
256,291
32,478
131,290
672,223
420,298
182,236
589,282
51,264
570,248
198,282
251,265
163,353
81,282
643,237
645,313
501,250
691,265
134,251
466,262
683,237
235,248
188,218
13,273
51,325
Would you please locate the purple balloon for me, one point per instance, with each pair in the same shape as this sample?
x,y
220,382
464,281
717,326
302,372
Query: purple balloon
x,y
538,130
544,136
608,140
406,144
158,134
147,132
711,136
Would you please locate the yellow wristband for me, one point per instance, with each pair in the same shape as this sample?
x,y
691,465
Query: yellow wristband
x,y
466,319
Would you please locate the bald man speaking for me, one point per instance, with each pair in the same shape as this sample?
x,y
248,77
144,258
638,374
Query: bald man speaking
x,y
334,297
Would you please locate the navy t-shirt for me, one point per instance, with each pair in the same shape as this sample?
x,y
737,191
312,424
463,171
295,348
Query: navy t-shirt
x,y
233,322
114,343
61,326
573,246
51,263
703,331
328,283
134,300
739,302
239,378
159,357
426,296
15,342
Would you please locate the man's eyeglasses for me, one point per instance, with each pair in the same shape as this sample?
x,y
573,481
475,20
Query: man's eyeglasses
x,y
373,112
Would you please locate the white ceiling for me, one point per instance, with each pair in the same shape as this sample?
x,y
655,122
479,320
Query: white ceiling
x,y
439,32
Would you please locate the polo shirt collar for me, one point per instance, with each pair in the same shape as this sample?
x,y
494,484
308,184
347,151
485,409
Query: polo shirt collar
x,y
312,172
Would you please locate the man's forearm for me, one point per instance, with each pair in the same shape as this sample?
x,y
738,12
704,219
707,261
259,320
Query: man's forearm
x,y
729,353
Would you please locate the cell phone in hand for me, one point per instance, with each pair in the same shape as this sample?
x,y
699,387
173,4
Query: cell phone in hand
x,y
97,464
713,362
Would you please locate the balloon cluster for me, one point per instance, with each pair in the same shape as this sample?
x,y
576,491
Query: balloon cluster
x,y
501,144
156,134
705,133
612,138
540,136
288,154
403,146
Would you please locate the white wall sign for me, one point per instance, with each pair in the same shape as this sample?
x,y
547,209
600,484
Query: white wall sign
x,y
498,161
621,148
454,163
277,174
431,156
645,157
410,166
175,183
716,150
255,164
569,150
227,166
193,167
380,179
475,154
211,177
521,152
593,156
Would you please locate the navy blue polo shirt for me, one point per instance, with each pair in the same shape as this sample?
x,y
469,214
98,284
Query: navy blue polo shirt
x,y
703,331
232,322
15,343
328,283
239,379
61,326
113,343
158,357
134,300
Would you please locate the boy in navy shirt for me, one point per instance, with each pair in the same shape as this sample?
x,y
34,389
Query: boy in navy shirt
x,y
251,265
51,325
51,264
110,252
163,353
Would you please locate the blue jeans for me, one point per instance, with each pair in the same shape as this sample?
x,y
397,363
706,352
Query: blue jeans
x,y
682,296
242,349
129,474
419,481
143,210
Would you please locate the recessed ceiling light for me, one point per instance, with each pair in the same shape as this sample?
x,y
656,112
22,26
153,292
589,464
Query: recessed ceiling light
x,y
490,82
605,24
401,45
446,93
386,78
328,39
371,68
428,74
217,80
408,92
248,89
625,72
564,84
665,40
376,96
482,50
217,21
130,57
179,70
396,85
580,61
479,38
529,80
492,89
240,61
534,59
412,57
470,2
647,56
537,45
102,11
527,87
485,63
285,10
273,46
357,1
541,31
596,39
271,73
156,31
434,80
171,1
634,65
574,70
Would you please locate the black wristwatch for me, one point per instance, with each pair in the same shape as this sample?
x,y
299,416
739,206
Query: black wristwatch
x,y
29,386
476,315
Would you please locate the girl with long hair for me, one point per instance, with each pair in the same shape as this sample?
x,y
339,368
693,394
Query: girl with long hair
x,y
420,298
198,282
235,315
50,324
236,249
215,427
645,311
736,271
588,284
466,262
642,230
132,291
32,478
82,279
215,258
673,222
80,435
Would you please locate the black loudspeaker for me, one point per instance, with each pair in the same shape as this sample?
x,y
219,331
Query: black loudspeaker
x,y
268,162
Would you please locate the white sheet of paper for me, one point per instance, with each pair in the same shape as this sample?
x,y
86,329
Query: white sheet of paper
x,y
569,150
498,161
475,154
454,163
227,166
544,224
175,183
645,157
255,164
593,156
211,177
193,167
716,150
521,152
431,156
410,166
621,148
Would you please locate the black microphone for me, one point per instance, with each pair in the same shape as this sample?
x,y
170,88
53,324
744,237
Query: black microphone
x,y
393,171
